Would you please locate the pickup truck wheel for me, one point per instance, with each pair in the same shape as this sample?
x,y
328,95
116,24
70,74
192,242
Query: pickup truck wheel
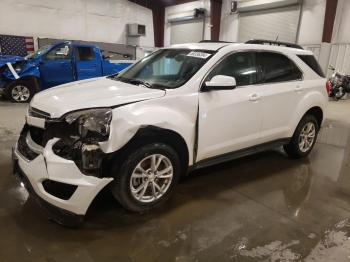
x,y
304,138
147,177
19,92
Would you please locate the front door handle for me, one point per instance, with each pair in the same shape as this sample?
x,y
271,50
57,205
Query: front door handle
x,y
254,97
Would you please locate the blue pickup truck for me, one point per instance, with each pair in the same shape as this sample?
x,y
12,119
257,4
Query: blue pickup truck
x,y
52,65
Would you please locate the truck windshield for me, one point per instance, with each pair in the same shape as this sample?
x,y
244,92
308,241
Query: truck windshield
x,y
166,68
38,52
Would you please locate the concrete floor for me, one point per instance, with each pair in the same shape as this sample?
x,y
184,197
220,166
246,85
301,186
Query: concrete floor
x,y
264,207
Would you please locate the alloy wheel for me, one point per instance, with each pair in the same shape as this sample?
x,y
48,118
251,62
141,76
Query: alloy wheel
x,y
151,178
307,137
20,93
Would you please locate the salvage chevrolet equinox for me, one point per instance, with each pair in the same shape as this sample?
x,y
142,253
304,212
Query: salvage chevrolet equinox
x,y
180,108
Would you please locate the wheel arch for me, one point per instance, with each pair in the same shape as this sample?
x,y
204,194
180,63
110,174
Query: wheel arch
x,y
317,112
32,80
151,134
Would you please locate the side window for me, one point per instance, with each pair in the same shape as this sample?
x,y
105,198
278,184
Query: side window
x,y
239,65
61,52
85,53
277,68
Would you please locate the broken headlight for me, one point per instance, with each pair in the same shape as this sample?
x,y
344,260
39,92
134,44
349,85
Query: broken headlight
x,y
91,123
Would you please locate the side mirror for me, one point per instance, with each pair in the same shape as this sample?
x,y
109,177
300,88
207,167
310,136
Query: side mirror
x,y
220,82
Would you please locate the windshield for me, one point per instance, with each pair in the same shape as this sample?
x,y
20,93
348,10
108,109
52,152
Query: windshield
x,y
166,68
38,52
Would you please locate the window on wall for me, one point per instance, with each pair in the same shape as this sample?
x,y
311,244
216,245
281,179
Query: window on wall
x,y
277,68
240,65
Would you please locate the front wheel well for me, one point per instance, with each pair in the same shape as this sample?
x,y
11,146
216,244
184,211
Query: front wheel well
x,y
316,112
32,81
153,134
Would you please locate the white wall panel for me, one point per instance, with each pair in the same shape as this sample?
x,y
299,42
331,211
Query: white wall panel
x,y
91,20
186,32
341,28
229,23
311,22
270,24
340,58
170,10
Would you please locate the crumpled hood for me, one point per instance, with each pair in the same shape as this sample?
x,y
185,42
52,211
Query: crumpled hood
x,y
90,93
10,59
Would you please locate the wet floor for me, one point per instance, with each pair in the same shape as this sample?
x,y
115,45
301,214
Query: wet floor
x,y
264,207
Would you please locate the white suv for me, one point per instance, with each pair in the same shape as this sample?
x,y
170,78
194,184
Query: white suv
x,y
178,109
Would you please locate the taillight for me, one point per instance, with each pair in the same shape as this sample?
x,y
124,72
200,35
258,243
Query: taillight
x,y
328,87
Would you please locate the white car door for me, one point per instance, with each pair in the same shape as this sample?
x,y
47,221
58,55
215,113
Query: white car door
x,y
281,89
230,120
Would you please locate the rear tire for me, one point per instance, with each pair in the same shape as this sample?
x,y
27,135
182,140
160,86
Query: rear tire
x,y
138,186
304,137
20,91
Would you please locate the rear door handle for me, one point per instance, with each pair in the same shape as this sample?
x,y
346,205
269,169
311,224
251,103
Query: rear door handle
x,y
254,97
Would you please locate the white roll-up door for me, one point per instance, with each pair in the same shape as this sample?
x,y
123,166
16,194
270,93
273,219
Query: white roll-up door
x,y
270,24
186,31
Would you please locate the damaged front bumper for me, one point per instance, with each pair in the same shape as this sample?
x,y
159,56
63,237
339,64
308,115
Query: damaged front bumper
x,y
57,183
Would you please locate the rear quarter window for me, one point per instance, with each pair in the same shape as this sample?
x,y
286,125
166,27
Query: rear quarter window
x,y
311,61
277,67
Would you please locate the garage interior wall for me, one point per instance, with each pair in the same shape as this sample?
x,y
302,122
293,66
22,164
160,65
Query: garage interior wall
x,y
186,31
311,23
340,46
278,23
178,9
90,20
310,28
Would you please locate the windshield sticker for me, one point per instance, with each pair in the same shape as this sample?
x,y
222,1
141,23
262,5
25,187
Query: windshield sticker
x,y
199,54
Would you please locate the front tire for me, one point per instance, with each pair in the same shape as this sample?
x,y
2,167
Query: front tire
x,y
147,177
20,91
304,138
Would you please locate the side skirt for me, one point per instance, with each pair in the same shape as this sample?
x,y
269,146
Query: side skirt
x,y
240,153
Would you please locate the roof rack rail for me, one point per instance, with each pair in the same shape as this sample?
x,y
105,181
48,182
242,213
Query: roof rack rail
x,y
269,42
213,41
